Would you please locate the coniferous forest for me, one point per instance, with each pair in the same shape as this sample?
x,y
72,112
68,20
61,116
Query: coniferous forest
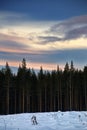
x,y
44,91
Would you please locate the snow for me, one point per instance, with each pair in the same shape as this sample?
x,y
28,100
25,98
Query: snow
x,y
72,120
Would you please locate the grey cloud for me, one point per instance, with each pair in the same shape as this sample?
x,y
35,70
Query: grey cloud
x,y
76,33
46,39
71,28
8,42
11,44
11,18
70,23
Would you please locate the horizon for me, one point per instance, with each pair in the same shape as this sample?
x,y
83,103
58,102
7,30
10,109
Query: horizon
x,y
15,69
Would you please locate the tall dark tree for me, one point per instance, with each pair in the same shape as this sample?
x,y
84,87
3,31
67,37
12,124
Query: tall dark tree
x,y
21,84
59,88
65,88
71,85
8,75
28,91
2,92
85,87
34,92
28,85
40,88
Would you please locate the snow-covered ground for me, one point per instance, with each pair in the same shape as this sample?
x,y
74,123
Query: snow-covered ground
x,y
46,121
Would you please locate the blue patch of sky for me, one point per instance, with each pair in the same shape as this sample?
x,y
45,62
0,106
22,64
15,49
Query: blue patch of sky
x,y
46,9
60,56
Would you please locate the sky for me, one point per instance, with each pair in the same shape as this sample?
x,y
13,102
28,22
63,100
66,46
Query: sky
x,y
46,33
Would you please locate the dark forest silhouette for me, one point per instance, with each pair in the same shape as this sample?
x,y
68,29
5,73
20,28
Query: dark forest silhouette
x,y
42,92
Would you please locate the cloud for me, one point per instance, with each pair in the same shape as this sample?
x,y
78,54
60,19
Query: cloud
x,y
76,33
58,56
47,39
22,19
11,43
67,34
33,60
47,61
69,29
10,18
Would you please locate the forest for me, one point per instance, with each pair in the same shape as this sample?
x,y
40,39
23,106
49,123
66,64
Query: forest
x,y
45,91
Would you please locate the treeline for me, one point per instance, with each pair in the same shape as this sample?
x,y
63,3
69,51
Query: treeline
x,y
44,91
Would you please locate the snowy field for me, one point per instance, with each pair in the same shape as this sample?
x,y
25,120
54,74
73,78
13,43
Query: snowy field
x,y
46,121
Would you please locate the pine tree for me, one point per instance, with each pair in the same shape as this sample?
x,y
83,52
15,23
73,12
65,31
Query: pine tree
x,y
8,75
